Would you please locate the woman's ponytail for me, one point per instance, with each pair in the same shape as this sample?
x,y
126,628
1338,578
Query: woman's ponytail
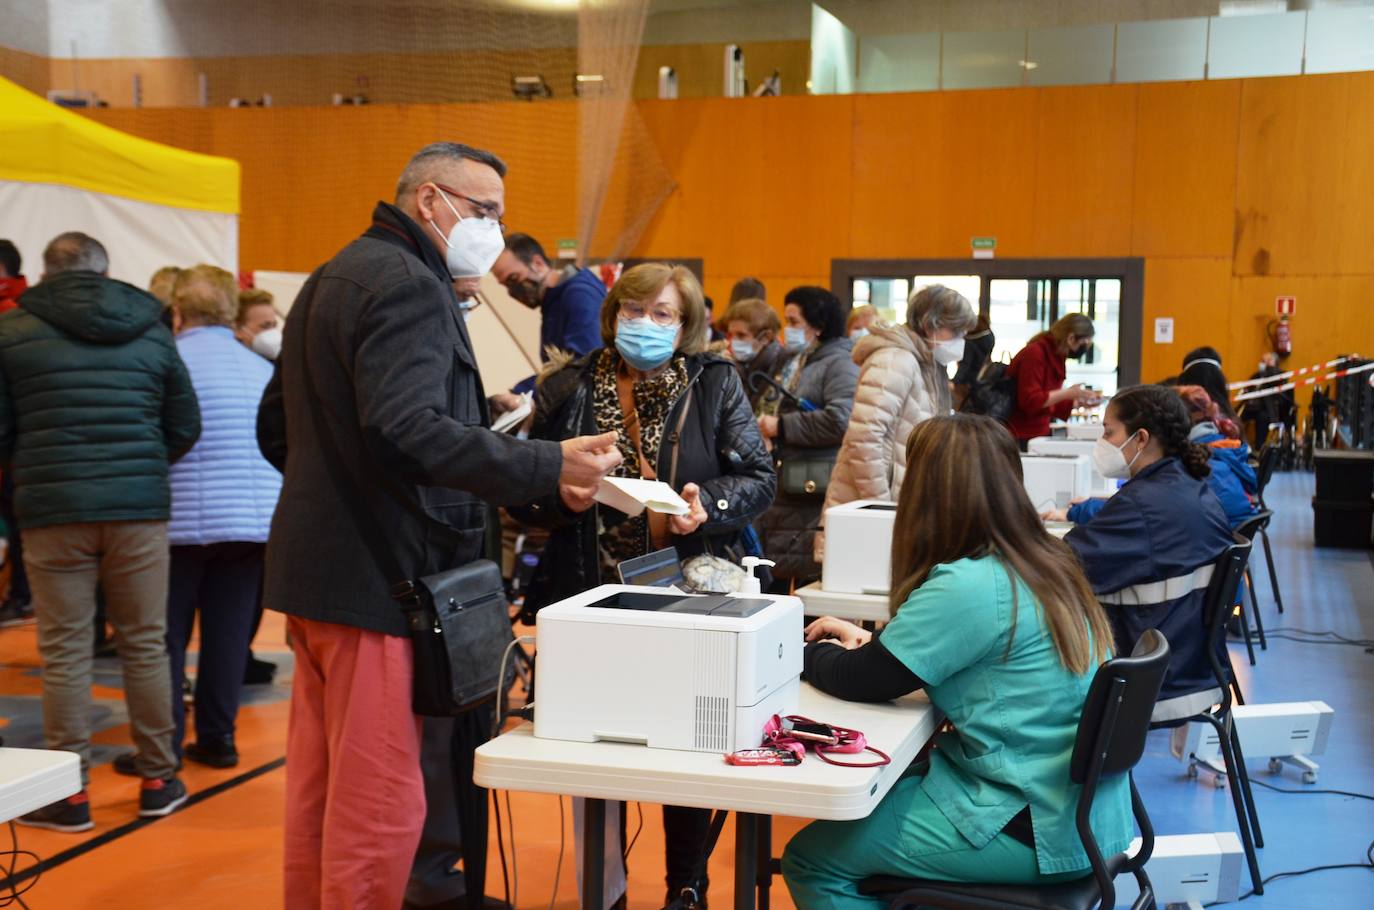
x,y
1163,414
1195,460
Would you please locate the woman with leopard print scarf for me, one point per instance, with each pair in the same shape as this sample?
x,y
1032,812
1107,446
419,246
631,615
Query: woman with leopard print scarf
x,y
681,416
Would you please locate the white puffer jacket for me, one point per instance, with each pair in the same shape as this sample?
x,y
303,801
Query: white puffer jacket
x,y
900,385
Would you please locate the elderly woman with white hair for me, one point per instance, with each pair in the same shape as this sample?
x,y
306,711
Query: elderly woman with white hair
x,y
903,380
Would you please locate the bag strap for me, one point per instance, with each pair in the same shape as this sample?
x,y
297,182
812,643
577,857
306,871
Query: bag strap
x,y
677,435
364,518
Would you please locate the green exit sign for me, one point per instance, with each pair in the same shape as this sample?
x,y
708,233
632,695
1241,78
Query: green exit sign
x,y
983,247
567,249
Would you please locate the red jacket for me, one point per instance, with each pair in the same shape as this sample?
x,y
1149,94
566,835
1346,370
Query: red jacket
x,y
1039,370
10,289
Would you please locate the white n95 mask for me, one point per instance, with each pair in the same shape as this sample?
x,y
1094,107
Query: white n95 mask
x,y
1109,461
267,343
473,244
947,352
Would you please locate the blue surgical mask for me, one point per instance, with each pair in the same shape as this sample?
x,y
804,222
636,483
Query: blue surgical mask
x,y
794,338
644,343
743,350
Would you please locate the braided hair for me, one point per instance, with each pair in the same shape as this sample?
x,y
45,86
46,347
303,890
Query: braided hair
x,y
1163,414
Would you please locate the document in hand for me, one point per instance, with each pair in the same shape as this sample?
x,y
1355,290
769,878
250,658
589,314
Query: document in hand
x,y
632,495
512,420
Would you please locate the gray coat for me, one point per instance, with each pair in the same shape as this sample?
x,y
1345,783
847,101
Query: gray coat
x,y
828,380
404,405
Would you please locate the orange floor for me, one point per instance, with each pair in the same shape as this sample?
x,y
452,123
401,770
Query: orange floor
x,y
225,851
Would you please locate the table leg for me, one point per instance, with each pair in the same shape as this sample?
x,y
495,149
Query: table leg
x,y
594,854
764,867
746,860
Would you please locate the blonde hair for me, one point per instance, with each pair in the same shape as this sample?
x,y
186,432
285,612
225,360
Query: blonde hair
x,y
643,283
206,295
162,282
249,298
859,312
753,312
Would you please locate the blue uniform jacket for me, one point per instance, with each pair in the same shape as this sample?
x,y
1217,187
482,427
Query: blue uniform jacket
x,y
1148,553
570,318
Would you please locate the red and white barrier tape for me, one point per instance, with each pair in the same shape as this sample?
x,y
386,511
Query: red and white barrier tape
x,y
1311,380
1291,373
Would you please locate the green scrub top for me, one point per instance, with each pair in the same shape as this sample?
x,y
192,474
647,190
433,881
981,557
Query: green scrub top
x,y
1014,709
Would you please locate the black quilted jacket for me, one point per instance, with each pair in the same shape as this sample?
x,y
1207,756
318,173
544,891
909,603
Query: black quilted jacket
x,y
720,450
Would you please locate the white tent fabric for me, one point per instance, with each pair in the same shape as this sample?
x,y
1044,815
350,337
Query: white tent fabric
x,y
141,237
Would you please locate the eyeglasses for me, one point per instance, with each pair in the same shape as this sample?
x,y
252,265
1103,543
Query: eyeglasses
x,y
661,313
484,209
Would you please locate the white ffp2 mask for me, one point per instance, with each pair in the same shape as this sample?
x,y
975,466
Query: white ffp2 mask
x,y
947,352
267,343
473,244
1109,461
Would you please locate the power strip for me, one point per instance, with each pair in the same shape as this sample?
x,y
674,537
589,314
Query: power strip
x,y
1189,869
1287,733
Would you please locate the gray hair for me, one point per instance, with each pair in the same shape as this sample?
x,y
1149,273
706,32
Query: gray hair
x,y
425,164
75,252
936,307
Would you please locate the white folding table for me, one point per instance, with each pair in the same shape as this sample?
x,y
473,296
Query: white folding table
x,y
32,778
854,607
602,771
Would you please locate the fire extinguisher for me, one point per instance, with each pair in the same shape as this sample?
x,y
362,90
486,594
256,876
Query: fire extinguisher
x,y
1281,337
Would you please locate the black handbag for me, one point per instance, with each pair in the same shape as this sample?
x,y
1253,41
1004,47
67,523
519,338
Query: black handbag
x,y
459,621
805,476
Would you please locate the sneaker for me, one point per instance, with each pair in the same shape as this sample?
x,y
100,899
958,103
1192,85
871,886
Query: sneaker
x,y
126,764
15,613
217,753
161,796
70,816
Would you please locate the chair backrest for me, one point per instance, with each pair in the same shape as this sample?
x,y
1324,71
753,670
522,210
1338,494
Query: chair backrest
x,y
1220,603
1252,525
1116,714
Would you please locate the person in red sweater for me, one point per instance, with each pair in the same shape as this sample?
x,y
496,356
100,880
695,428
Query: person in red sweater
x,y
12,283
1039,370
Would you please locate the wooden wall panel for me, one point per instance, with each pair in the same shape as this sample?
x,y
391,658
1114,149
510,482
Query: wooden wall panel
x,y
1185,168
1085,158
1196,294
1356,216
1290,193
29,70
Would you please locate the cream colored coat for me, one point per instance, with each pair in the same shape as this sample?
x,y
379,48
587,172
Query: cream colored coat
x,y
899,386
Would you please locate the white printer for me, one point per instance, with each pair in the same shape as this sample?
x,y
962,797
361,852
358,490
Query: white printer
x,y
1049,445
1054,481
858,547
629,663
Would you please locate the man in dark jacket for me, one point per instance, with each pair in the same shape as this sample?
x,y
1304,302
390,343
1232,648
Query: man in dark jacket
x,y
94,405
376,395
568,299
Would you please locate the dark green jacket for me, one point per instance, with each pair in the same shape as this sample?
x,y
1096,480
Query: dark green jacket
x,y
95,403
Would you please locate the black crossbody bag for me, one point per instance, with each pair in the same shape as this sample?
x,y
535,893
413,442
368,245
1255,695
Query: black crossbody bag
x,y
459,620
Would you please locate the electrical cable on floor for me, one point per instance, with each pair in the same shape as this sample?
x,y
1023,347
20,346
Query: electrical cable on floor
x,y
514,868
1368,853
1323,637
501,848
562,842
10,893
1221,772
639,807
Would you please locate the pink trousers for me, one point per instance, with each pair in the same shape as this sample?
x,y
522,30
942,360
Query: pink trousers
x,y
355,797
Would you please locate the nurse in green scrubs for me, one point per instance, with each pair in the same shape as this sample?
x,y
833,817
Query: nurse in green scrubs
x,y
994,619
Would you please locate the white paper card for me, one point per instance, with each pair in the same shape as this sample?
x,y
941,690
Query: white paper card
x,y
511,421
632,495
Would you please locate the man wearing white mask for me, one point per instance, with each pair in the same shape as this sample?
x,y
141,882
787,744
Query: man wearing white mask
x,y
257,325
377,395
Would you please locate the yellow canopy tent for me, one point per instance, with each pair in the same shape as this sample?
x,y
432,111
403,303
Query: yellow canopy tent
x,y
150,204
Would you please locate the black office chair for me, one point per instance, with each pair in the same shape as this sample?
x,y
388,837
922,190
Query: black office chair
x,y
1248,529
1110,741
1212,705
1268,461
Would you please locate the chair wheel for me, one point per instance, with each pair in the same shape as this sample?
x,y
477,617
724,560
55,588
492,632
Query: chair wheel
x,y
1309,777
1275,765
1218,780
1192,771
